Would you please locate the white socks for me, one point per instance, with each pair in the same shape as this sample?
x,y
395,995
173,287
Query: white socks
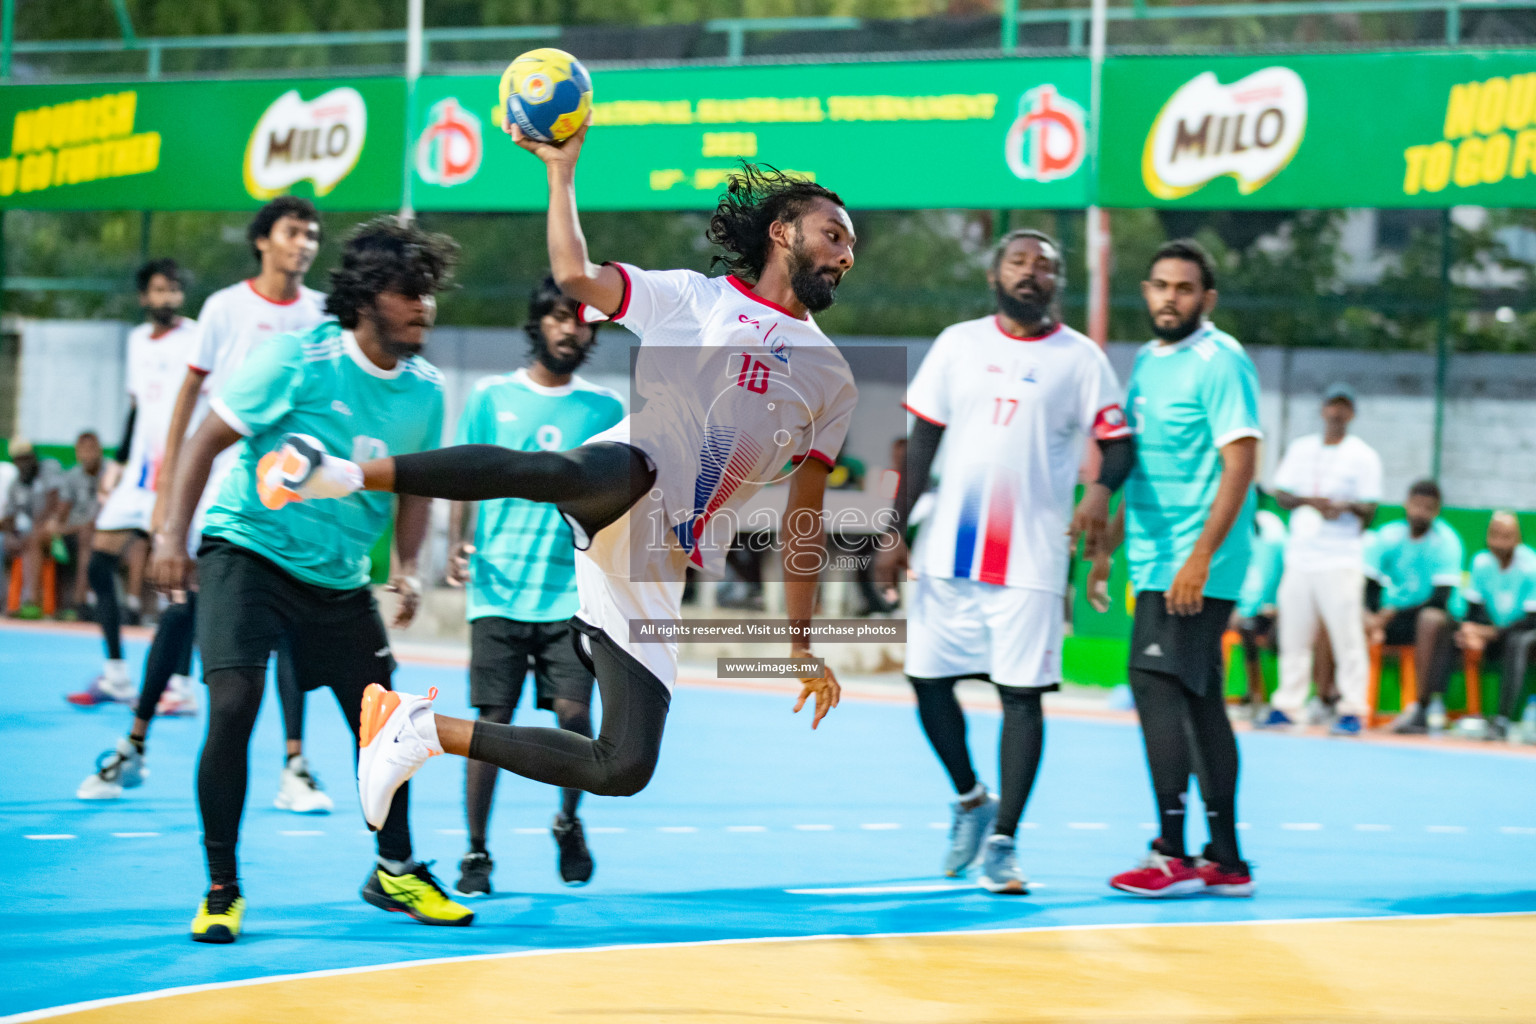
x,y
977,793
115,670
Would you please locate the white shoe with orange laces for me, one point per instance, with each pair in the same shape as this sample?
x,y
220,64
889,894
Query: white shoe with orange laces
x,y
397,735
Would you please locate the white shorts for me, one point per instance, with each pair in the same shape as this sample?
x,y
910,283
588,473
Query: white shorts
x,y
128,507
960,627
611,596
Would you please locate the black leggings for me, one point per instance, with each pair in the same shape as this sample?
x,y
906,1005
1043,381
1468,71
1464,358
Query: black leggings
x,y
592,486
619,762
170,654
1187,733
101,571
1019,749
234,698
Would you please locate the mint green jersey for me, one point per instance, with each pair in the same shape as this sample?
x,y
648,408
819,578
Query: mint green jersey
x,y
1410,568
1186,401
1507,594
524,566
318,382
1261,584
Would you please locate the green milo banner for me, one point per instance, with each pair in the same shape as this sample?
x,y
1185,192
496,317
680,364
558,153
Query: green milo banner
x,y
1391,130
987,133
202,145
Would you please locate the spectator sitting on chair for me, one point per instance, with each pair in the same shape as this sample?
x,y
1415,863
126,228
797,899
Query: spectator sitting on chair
x,y
1411,567
1254,616
1501,616
72,524
28,502
1332,482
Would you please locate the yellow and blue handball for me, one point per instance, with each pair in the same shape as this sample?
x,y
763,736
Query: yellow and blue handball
x,y
547,93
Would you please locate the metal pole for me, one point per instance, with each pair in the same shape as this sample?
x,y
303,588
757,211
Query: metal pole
x,y
1098,220
414,20
7,36
1442,340
1010,38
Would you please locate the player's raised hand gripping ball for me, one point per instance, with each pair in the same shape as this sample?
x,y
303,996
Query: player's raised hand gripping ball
x,y
299,469
547,94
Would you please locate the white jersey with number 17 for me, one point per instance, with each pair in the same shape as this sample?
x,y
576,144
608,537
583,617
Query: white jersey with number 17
x,y
1015,413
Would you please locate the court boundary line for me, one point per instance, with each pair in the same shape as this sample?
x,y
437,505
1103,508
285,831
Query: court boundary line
x,y
337,972
415,653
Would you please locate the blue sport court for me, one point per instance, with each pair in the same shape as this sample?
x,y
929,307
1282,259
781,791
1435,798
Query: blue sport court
x,y
768,873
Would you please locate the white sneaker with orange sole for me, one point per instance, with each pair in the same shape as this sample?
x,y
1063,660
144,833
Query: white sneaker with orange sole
x,y
397,736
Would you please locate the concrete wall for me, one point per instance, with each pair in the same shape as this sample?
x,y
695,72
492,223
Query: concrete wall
x,y
71,377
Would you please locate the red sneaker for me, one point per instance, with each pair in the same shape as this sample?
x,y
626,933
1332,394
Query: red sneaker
x,y
1159,877
1219,882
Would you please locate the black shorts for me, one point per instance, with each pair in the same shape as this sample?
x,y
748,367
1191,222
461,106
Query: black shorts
x,y
501,651
1187,647
1402,628
247,604
1261,626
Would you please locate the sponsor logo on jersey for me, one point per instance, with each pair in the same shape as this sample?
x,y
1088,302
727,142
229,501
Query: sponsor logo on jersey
x,y
337,405
1047,141
1248,131
449,150
318,140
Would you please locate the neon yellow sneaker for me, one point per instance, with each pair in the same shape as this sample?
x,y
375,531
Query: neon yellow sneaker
x,y
218,918
415,893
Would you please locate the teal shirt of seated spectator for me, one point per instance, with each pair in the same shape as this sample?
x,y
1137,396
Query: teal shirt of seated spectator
x,y
1261,586
319,382
1507,594
1409,569
1187,401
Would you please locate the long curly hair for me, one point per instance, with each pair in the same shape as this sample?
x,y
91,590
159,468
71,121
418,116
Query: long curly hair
x,y
384,255
757,196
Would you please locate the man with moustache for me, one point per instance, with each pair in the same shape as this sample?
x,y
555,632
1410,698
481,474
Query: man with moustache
x,y
300,577
520,568
1016,393
1189,511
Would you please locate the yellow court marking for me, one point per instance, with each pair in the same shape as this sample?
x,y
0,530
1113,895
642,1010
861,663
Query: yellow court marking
x,y
1397,970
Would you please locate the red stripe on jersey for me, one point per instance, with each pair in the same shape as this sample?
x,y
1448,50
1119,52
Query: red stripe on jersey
x,y
1014,337
624,302
831,463
994,547
250,283
925,419
746,290
1110,424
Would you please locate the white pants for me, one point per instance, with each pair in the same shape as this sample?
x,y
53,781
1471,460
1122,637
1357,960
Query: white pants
x,y
1334,596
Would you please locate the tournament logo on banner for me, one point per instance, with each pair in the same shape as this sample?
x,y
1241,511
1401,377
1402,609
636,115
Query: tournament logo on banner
x,y
448,152
1248,130
1047,141
318,141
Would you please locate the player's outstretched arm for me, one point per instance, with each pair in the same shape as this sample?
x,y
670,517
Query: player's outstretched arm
x,y
181,417
169,567
804,555
600,287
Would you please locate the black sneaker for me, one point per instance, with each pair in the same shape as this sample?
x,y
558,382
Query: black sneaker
x,y
1412,722
475,874
575,859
